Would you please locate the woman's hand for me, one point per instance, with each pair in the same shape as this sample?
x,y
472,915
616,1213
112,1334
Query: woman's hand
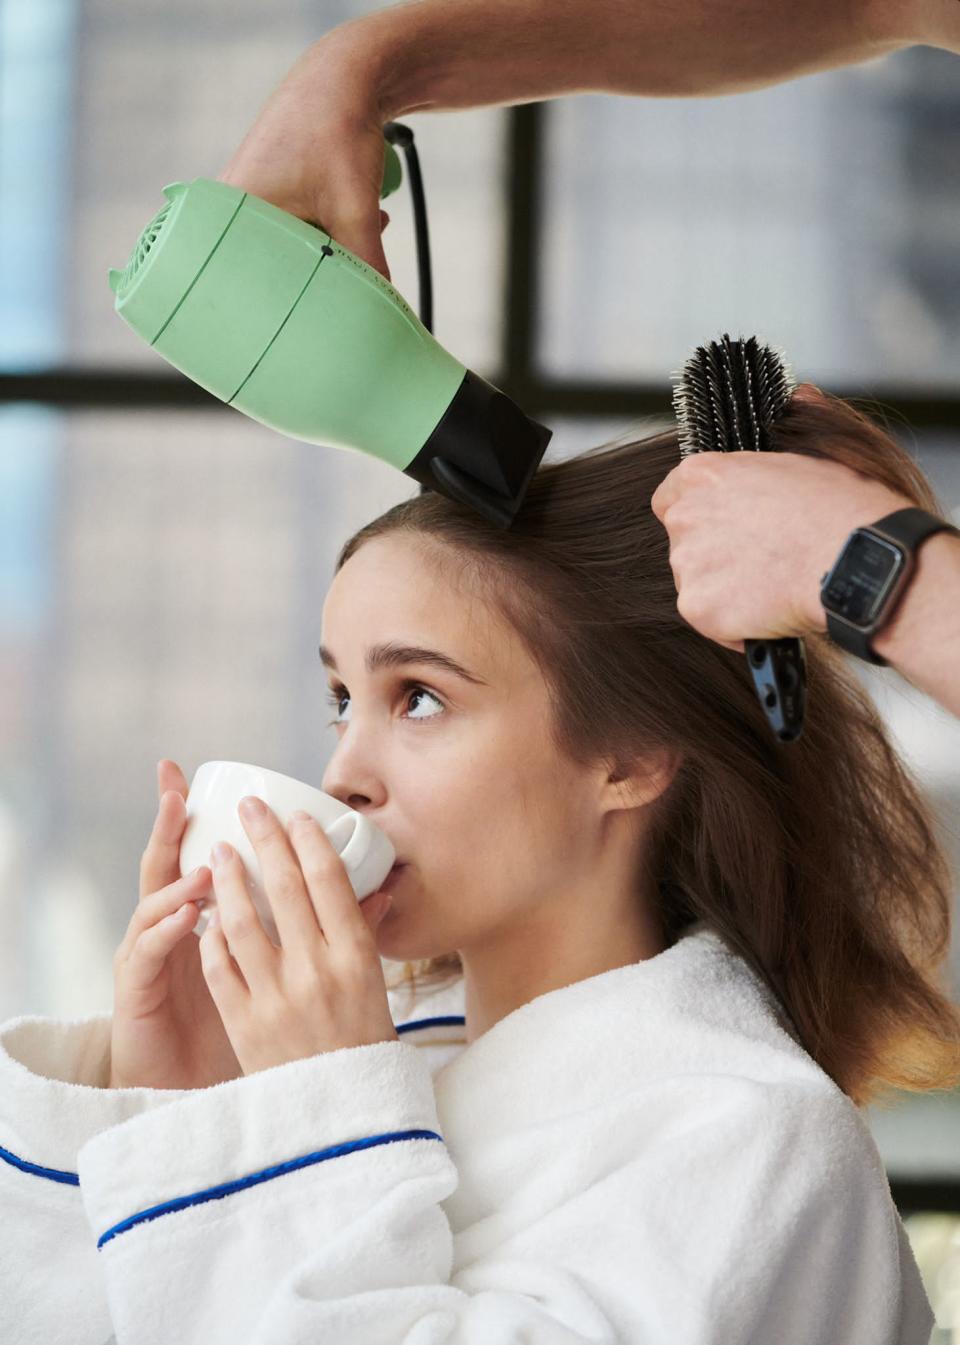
x,y
317,150
323,989
166,1030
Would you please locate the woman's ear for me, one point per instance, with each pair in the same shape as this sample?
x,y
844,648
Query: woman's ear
x,y
641,784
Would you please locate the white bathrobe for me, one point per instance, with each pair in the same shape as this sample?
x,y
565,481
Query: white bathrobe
x,y
646,1156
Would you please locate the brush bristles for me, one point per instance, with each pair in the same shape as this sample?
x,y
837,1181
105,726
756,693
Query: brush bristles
x,y
729,394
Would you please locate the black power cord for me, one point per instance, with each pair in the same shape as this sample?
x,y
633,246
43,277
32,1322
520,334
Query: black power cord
x,y
401,135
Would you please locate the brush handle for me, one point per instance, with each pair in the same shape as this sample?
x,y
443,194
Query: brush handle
x,y
779,671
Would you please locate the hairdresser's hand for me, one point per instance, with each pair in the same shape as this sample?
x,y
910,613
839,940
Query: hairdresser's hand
x,y
166,1029
317,150
752,534
323,989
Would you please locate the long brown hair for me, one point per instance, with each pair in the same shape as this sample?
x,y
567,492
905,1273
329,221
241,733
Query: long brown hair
x,y
817,860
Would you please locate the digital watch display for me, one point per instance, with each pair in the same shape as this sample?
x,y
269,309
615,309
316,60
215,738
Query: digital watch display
x,y
858,586
867,581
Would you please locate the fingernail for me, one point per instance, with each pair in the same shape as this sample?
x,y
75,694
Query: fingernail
x,y
300,816
221,853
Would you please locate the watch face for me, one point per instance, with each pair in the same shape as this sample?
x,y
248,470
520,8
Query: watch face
x,y
861,579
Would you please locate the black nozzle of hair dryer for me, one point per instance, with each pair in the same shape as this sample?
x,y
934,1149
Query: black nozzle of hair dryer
x,y
483,453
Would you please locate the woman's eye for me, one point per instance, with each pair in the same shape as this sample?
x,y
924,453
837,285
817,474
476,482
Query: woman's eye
x,y
411,690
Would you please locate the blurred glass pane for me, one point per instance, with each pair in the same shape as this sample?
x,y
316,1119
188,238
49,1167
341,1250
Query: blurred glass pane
x,y
819,215
165,94
37,43
935,1242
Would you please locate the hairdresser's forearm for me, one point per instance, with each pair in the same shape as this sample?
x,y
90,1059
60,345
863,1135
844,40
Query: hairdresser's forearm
x,y
922,638
446,54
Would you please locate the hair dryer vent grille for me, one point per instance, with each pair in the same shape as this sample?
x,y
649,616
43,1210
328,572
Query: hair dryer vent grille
x,y
142,250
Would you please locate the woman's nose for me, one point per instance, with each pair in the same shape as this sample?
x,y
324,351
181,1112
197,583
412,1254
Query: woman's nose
x,y
350,785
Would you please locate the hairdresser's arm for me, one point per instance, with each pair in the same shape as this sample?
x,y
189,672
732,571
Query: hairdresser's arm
x,y
922,638
316,147
438,54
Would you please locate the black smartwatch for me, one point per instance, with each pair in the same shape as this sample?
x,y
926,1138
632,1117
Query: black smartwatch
x,y
870,575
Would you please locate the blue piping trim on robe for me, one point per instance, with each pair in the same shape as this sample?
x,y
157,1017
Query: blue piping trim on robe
x,y
445,1020
52,1174
278,1170
72,1179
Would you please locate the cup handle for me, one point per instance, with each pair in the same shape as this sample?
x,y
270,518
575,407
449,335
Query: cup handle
x,y
364,851
342,834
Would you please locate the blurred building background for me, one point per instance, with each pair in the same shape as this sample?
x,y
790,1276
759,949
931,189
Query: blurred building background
x,y
163,559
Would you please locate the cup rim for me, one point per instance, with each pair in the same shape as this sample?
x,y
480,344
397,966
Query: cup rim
x,y
279,776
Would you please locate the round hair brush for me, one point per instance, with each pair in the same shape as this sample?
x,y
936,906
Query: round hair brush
x,y
727,398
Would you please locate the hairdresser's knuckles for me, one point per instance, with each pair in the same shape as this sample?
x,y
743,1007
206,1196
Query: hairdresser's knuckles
x,y
323,97
764,528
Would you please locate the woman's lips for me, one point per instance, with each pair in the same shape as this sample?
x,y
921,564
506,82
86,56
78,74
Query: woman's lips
x,y
391,877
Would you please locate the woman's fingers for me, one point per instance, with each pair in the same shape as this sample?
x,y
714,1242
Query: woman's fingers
x,y
160,863
157,907
152,947
170,776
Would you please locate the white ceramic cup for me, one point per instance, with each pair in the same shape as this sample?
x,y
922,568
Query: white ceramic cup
x,y
212,800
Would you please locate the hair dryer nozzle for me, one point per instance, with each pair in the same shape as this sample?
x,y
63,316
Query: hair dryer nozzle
x,y
483,453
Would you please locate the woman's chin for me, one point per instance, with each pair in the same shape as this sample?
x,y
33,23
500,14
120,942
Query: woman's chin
x,y
397,939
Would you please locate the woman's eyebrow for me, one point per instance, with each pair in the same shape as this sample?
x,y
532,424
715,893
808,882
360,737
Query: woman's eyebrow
x,y
392,655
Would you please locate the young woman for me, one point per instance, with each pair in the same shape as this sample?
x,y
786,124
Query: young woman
x,y
647,965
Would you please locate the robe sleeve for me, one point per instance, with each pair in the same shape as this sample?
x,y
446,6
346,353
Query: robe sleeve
x,y
53,1098
306,1203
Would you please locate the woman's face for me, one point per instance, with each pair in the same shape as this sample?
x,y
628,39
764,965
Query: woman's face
x,y
495,828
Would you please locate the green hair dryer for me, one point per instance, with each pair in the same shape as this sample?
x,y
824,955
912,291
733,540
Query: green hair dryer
x,y
270,314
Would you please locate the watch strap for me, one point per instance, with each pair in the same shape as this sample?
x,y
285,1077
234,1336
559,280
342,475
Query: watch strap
x,y
852,640
906,528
